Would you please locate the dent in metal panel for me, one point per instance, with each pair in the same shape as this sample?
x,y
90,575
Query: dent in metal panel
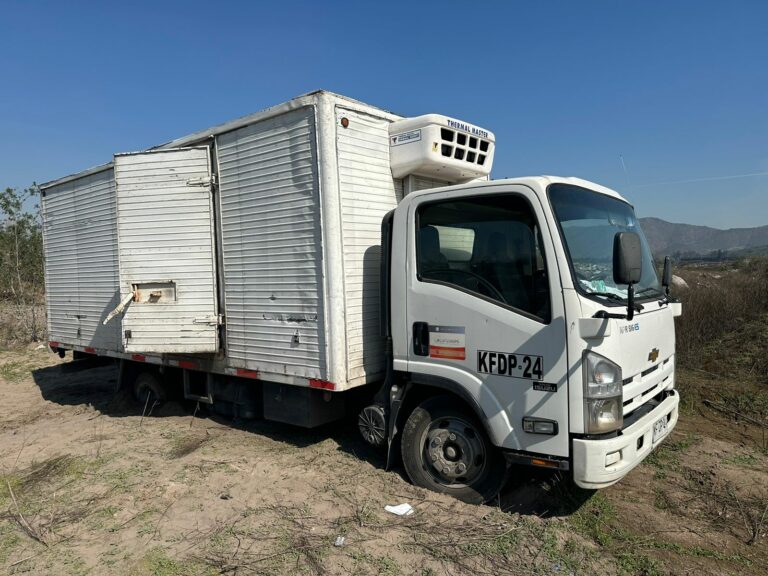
x,y
368,192
271,247
81,271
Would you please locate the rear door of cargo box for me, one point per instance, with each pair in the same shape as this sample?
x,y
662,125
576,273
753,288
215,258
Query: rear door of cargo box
x,y
165,232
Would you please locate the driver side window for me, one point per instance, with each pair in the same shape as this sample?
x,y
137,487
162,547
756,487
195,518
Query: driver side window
x,y
488,246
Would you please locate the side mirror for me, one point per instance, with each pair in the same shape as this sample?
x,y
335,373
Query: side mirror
x,y
627,265
627,258
666,277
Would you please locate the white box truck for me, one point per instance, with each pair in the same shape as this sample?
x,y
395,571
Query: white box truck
x,y
326,256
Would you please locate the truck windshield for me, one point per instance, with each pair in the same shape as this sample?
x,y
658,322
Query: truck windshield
x,y
589,221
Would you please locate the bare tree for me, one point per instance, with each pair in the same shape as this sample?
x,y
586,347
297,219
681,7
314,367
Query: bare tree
x,y
21,263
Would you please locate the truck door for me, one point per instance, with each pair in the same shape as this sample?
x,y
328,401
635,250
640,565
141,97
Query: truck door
x,y
484,309
166,252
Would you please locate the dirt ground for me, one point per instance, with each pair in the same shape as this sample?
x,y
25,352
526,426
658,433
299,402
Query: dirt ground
x,y
90,486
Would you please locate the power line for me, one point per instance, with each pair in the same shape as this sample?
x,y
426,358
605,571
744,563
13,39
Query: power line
x,y
624,166
709,179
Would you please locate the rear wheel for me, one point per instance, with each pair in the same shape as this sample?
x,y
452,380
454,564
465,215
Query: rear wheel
x,y
445,449
149,391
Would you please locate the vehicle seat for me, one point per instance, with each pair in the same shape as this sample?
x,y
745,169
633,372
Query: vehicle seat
x,y
498,267
430,256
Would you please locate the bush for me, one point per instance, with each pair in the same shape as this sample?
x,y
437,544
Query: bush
x,y
22,317
721,302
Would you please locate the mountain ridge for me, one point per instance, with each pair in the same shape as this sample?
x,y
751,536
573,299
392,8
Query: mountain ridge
x,y
676,238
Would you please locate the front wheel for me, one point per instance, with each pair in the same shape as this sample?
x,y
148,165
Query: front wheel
x,y
445,449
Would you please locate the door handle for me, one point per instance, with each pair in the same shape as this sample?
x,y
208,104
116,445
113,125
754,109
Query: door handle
x,y
421,339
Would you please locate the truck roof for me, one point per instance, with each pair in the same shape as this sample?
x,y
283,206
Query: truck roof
x,y
533,181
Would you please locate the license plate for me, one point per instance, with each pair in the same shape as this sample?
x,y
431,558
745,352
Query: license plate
x,y
659,429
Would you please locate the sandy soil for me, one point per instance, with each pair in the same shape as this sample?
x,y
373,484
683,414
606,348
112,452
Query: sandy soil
x,y
90,486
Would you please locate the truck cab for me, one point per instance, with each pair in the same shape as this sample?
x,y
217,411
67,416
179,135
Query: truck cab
x,y
512,340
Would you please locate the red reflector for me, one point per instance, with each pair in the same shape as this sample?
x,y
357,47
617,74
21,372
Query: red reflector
x,y
247,373
322,384
187,364
138,357
545,463
53,344
90,350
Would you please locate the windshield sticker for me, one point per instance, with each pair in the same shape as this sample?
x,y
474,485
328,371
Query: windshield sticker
x,y
447,342
511,365
595,285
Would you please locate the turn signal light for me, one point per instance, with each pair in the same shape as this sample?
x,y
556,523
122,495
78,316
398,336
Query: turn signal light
x,y
545,463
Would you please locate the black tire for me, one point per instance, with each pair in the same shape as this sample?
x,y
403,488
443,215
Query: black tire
x,y
439,437
149,391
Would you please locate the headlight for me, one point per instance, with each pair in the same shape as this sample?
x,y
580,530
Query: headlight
x,y
602,377
603,399
603,415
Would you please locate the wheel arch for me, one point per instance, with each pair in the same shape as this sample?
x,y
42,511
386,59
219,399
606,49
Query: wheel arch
x,y
417,388
130,370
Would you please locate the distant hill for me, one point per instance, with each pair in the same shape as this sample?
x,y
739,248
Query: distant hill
x,y
689,240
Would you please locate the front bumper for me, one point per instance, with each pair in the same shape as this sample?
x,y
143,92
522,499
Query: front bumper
x,y
589,456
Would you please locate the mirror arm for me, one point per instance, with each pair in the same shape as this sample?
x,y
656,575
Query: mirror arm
x,y
604,314
666,276
630,301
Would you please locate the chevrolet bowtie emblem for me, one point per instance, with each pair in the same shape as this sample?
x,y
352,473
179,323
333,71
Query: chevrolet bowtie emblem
x,y
653,355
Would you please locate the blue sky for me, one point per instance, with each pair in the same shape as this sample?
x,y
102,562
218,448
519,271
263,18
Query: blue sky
x,y
679,89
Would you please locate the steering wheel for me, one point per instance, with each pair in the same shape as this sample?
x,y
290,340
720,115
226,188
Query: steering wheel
x,y
480,281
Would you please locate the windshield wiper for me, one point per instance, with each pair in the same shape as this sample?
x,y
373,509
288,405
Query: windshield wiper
x,y
610,295
616,297
648,289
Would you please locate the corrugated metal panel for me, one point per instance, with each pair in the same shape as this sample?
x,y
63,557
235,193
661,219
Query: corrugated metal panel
x,y
165,231
416,183
368,192
81,270
271,245
399,188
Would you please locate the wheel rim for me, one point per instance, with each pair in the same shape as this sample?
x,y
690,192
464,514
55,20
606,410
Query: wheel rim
x,y
371,423
453,452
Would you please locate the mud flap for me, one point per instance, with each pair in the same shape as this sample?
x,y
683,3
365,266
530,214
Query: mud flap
x,y
396,398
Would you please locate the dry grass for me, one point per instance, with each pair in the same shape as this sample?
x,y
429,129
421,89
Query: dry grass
x,y
740,510
447,538
44,499
21,324
722,339
188,444
724,306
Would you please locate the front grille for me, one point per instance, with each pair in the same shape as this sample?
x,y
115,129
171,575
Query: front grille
x,y
642,387
645,373
646,408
